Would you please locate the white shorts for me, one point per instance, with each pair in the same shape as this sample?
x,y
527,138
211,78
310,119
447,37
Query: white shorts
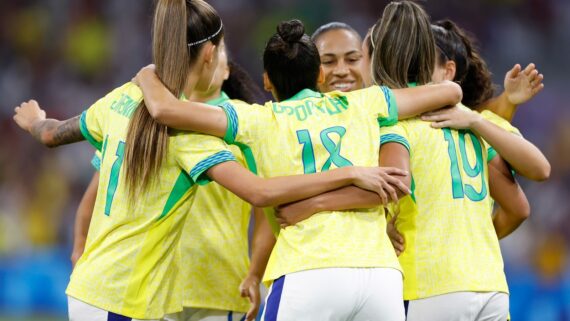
x,y
460,306
335,294
81,311
194,314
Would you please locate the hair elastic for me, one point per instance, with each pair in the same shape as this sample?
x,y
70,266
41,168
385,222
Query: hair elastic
x,y
208,38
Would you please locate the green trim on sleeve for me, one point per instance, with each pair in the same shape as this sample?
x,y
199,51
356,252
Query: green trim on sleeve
x,y
491,153
392,108
394,138
198,172
245,149
248,155
85,132
232,117
96,162
270,215
182,185
413,188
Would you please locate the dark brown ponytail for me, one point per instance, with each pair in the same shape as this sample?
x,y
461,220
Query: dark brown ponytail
x,y
471,70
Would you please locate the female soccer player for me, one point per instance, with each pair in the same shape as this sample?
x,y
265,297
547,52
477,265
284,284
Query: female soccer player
x,y
340,48
214,247
520,85
131,264
452,259
317,132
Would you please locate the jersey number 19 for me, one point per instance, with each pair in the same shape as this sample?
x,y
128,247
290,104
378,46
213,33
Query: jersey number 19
x,y
458,187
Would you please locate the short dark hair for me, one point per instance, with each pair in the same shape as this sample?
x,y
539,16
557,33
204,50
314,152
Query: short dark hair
x,y
335,25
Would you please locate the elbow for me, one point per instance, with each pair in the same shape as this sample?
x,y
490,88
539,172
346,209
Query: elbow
x,y
544,172
456,93
541,173
260,198
260,201
524,212
157,112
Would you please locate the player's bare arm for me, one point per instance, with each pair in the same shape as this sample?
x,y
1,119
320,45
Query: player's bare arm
x,y
521,154
395,186
170,111
50,132
513,208
285,189
261,247
83,218
521,85
417,100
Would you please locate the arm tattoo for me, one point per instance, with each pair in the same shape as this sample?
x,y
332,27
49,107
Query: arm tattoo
x,y
53,132
68,132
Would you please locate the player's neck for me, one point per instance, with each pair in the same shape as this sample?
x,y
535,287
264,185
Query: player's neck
x,y
203,97
190,88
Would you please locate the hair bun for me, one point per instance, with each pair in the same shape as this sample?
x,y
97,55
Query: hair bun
x,y
446,24
291,31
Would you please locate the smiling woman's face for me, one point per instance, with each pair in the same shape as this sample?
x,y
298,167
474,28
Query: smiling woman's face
x,y
341,59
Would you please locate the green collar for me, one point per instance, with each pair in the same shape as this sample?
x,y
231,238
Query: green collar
x,y
305,93
221,99
214,102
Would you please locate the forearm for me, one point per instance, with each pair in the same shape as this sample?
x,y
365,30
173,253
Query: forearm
x,y
415,101
525,158
505,223
501,106
52,132
513,204
345,198
83,217
261,245
278,190
396,155
168,110
286,189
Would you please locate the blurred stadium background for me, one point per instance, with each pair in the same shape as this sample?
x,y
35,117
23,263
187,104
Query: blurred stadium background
x,y
66,54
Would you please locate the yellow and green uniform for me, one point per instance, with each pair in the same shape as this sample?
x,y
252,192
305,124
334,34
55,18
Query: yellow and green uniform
x,y
131,263
451,244
313,132
215,245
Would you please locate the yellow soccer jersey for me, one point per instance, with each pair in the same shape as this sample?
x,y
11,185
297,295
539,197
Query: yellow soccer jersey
x,y
451,244
313,132
215,245
131,261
